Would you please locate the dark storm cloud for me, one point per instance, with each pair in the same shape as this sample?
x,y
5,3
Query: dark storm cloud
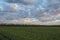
x,y
21,1
13,1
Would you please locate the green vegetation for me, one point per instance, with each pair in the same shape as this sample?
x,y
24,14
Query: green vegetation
x,y
29,33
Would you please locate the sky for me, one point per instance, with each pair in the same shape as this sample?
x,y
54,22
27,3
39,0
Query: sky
x,y
38,12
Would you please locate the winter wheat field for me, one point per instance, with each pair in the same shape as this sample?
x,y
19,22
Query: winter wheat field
x,y
29,33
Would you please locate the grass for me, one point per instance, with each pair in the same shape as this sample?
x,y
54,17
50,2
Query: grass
x,y
29,33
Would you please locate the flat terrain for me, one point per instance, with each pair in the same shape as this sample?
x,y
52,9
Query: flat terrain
x,y
29,33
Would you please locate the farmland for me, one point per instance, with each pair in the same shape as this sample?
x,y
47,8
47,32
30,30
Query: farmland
x,y
29,33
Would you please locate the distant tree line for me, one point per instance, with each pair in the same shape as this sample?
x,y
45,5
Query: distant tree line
x,y
24,25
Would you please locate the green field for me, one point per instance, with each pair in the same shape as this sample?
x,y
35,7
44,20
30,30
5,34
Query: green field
x,y
29,33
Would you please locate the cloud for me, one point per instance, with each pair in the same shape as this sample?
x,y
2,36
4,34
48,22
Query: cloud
x,y
16,12
13,7
1,8
54,22
22,21
29,1
30,21
21,1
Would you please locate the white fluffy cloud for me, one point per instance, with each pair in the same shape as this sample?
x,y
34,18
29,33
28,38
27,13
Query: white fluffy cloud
x,y
22,21
54,22
30,21
13,7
